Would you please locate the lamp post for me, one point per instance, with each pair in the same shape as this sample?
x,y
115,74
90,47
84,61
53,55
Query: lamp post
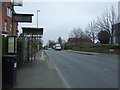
x,y
37,17
12,18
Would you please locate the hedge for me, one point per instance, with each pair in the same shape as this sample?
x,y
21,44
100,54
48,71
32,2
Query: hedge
x,y
4,45
19,53
95,46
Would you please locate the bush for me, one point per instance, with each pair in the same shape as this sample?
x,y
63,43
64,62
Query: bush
x,y
103,37
109,46
19,53
19,46
114,46
67,46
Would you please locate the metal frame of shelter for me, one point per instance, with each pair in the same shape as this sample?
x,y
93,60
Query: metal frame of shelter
x,y
30,37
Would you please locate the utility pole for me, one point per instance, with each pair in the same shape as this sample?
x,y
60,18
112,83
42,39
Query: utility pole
x,y
37,17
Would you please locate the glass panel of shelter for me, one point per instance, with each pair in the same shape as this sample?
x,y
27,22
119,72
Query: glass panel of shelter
x,y
30,47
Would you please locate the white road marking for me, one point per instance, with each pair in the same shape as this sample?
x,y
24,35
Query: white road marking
x,y
65,83
42,56
105,69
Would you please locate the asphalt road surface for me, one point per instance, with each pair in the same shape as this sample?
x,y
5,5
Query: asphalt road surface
x,y
86,70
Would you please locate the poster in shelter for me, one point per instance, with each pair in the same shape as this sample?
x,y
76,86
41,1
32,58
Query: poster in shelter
x,y
11,45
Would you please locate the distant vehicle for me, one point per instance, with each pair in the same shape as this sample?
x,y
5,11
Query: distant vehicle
x,y
46,47
49,48
58,47
53,47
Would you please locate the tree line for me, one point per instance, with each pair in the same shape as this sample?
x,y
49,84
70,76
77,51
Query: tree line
x,y
100,29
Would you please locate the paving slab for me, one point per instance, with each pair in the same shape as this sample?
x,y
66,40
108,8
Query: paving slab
x,y
42,74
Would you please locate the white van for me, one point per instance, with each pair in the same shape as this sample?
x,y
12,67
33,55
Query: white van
x,y
58,47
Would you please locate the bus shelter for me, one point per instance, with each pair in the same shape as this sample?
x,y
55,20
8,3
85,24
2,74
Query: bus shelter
x,y
31,43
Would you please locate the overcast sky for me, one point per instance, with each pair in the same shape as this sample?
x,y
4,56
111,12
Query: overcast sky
x,y
59,19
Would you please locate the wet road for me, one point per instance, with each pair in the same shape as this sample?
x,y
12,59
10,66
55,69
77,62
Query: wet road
x,y
86,70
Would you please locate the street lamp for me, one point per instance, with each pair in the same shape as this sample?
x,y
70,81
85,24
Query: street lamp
x,y
12,19
37,17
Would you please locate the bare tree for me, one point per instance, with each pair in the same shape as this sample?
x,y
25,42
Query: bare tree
x,y
77,33
92,31
51,43
107,21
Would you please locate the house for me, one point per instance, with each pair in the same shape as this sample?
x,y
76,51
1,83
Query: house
x,y
6,21
71,41
116,29
116,36
85,41
119,11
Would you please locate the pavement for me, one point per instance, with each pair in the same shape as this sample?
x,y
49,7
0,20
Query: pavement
x,y
42,74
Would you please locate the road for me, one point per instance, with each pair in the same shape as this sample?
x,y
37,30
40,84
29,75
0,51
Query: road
x,y
86,70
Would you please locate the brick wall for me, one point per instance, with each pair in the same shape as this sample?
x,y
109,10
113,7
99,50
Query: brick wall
x,y
6,5
79,41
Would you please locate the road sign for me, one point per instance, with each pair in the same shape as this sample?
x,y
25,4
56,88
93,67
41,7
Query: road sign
x,y
23,17
33,31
